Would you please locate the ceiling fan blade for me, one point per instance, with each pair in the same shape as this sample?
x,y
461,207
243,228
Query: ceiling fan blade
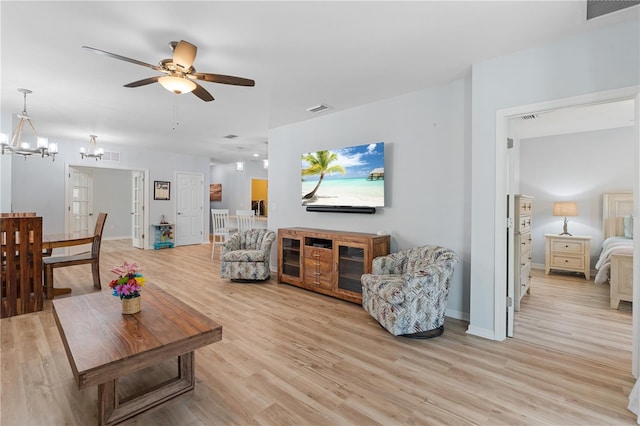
x,y
143,82
184,54
200,92
124,58
223,79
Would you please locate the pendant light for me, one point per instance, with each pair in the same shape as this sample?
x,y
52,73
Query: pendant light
x,y
93,151
42,149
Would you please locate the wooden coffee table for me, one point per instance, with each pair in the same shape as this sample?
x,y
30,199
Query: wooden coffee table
x,y
103,345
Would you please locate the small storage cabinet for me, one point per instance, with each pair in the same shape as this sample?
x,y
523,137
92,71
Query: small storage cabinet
x,y
163,235
522,251
328,262
571,253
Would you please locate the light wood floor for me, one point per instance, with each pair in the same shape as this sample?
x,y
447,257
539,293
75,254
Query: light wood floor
x,y
292,357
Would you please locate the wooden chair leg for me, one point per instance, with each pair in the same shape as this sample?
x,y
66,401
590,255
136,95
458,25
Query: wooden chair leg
x,y
95,270
48,281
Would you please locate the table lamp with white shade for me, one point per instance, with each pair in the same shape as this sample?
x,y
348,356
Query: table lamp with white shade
x,y
565,208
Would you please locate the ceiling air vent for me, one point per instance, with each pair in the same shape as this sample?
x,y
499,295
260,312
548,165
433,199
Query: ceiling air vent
x,y
111,156
318,108
231,136
529,117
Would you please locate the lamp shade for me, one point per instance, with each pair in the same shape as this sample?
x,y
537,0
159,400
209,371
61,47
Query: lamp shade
x,y
565,208
177,84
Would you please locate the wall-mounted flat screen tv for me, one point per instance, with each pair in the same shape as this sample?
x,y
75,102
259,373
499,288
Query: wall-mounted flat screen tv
x,y
352,176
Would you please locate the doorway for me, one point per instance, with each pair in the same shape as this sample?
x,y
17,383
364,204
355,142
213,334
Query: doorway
x,y
260,196
119,192
502,185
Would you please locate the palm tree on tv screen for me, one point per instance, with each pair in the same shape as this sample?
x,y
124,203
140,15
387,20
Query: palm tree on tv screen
x,y
319,164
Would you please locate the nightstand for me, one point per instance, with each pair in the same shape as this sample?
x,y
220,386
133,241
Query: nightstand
x,y
568,253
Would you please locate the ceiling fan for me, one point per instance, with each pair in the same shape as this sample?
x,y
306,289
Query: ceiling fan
x,y
179,74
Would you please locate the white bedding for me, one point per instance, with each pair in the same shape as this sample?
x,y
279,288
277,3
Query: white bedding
x,y
610,246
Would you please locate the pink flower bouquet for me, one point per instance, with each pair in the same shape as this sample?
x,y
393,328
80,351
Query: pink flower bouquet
x,y
130,282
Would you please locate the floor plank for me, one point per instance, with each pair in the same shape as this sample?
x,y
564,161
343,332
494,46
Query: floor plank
x,y
289,356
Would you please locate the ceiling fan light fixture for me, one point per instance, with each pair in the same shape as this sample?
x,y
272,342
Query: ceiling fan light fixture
x,y
177,85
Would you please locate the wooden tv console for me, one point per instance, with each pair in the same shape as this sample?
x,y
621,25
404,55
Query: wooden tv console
x,y
328,262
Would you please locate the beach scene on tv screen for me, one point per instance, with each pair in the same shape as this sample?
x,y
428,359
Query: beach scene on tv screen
x,y
349,176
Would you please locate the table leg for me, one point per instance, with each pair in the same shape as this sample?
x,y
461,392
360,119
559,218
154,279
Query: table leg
x,y
107,400
111,410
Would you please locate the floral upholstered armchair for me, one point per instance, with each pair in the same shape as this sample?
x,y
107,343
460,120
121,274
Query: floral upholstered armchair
x,y
407,291
245,256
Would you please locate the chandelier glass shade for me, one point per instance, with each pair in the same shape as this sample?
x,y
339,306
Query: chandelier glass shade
x,y
177,85
240,163
93,151
19,147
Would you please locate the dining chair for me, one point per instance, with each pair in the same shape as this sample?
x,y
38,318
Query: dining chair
x,y
21,265
18,214
92,257
246,220
220,220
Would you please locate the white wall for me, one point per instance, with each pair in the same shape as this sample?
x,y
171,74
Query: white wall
x,y
601,60
109,185
236,186
578,167
427,173
38,183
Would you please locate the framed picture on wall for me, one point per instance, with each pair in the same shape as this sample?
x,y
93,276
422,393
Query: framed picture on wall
x,y
161,190
215,192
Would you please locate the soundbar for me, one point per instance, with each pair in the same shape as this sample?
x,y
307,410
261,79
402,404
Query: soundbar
x,y
341,209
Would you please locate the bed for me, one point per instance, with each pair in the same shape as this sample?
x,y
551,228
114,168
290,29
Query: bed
x,y
615,263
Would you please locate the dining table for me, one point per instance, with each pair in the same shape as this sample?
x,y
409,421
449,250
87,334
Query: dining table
x,y
52,241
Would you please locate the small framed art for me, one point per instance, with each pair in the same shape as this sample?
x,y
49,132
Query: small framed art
x,y
161,190
215,192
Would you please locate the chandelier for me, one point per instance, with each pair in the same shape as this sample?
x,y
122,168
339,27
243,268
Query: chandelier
x,y
43,148
94,151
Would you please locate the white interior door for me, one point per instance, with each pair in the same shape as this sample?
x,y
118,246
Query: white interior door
x,y
80,205
189,208
137,209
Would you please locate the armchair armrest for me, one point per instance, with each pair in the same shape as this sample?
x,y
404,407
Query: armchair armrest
x,y
232,244
388,287
393,263
267,241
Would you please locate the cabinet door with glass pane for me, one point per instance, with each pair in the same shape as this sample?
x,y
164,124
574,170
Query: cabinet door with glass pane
x,y
290,259
350,265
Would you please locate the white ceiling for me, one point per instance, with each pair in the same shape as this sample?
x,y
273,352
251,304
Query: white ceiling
x,y
300,54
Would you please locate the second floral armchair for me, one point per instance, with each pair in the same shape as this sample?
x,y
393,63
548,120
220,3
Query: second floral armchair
x,y
245,256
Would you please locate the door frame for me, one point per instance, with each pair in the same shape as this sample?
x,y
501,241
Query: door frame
x,y
145,216
501,190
